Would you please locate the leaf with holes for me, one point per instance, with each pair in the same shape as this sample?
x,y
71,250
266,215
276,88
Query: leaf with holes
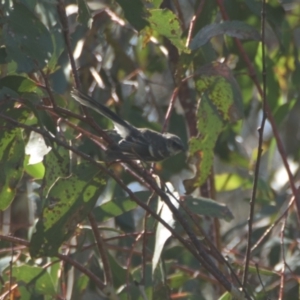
x,y
220,103
69,201
167,24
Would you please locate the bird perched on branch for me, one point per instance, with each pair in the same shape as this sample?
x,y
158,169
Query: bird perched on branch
x,y
134,143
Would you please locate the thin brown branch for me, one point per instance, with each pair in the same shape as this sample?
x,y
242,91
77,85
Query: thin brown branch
x,y
169,110
193,22
267,231
259,151
102,250
129,259
65,28
282,272
48,89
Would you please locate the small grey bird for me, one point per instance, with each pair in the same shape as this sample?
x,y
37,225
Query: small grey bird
x,y
134,143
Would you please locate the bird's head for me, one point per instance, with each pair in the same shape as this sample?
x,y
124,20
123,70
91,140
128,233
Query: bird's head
x,y
174,144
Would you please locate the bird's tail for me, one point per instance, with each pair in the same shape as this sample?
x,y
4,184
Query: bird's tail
x,y
98,107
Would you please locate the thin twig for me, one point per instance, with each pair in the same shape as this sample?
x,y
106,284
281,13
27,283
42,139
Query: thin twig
x,y
193,22
48,89
65,28
169,110
266,232
259,149
102,250
129,259
259,277
282,272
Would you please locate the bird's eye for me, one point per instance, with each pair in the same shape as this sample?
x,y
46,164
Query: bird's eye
x,y
175,145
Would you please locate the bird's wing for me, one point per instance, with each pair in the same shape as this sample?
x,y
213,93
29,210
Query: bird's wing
x,y
135,146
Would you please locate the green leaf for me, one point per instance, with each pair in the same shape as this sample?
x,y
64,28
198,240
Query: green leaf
x,y
156,3
69,200
119,273
12,150
236,29
118,206
38,278
166,23
59,46
178,279
37,171
229,182
282,111
201,149
19,84
134,11
28,41
57,165
12,155
208,207
220,102
84,15
226,296
217,81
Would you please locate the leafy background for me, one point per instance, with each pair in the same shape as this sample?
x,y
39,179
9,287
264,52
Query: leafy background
x,y
209,71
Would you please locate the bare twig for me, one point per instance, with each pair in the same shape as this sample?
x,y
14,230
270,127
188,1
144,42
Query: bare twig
x,y
169,110
65,27
282,272
102,250
266,232
129,259
259,151
48,89
193,22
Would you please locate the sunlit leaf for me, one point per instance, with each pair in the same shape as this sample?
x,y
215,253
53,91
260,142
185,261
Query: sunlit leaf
x,y
11,164
167,24
222,90
229,181
220,102
38,278
118,206
37,170
19,84
56,164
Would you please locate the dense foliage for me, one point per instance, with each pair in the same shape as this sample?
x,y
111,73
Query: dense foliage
x,y
219,221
